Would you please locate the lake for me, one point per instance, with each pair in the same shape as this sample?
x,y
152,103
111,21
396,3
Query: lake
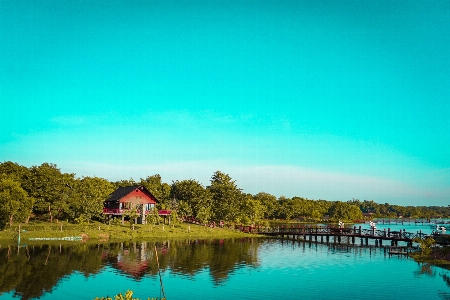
x,y
249,268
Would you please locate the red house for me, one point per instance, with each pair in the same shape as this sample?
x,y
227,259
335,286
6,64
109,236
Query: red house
x,y
131,197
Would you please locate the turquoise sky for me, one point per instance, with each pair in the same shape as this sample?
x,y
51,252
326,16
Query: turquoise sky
x,y
322,99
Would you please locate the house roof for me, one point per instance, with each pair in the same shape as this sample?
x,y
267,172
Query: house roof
x,y
123,191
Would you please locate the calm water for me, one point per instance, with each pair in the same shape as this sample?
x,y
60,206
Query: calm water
x,y
220,269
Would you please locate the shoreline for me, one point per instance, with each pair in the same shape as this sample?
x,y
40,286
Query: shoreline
x,y
99,232
62,232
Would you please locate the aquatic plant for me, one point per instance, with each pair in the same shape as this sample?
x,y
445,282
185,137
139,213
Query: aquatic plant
x,y
128,296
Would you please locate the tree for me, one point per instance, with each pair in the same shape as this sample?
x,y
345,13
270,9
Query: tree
x,y
14,202
226,197
153,216
425,244
193,199
124,183
286,208
50,189
14,171
269,202
344,211
251,210
159,189
88,196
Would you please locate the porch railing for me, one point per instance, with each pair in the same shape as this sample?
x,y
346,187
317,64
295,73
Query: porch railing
x,y
120,211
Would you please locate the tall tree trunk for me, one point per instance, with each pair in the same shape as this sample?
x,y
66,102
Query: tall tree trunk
x,y
50,212
10,220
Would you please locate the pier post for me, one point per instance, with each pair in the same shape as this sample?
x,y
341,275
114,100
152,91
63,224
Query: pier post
x,y
376,243
328,239
339,239
381,242
367,241
321,238
353,240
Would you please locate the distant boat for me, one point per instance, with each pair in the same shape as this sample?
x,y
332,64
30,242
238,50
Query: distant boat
x,y
440,226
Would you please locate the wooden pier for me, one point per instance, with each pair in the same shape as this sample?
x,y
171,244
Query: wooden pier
x,y
339,235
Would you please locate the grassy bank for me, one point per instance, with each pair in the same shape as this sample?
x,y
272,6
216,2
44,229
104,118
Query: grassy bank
x,y
438,257
99,232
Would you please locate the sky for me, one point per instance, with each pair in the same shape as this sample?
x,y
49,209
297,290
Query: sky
x,y
321,99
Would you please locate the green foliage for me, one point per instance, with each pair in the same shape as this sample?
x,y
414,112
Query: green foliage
x,y
192,199
184,209
14,171
81,220
226,197
50,189
344,211
127,296
124,183
88,195
15,205
251,210
153,217
270,204
174,217
425,244
159,189
132,214
60,195
115,221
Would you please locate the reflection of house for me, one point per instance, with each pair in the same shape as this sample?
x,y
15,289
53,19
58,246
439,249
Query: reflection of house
x,y
128,198
134,260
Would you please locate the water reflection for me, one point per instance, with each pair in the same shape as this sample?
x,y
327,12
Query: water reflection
x,y
425,269
33,270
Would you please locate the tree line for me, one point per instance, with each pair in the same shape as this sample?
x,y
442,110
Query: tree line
x,y
45,192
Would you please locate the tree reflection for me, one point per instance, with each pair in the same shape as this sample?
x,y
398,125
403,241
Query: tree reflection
x,y
31,271
425,268
446,279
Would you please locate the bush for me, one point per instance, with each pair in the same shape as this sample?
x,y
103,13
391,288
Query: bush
x,y
425,244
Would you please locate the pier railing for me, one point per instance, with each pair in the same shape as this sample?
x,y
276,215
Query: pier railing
x,y
327,230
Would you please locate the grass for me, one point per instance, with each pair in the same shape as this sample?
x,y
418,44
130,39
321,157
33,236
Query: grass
x,y
99,232
438,257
